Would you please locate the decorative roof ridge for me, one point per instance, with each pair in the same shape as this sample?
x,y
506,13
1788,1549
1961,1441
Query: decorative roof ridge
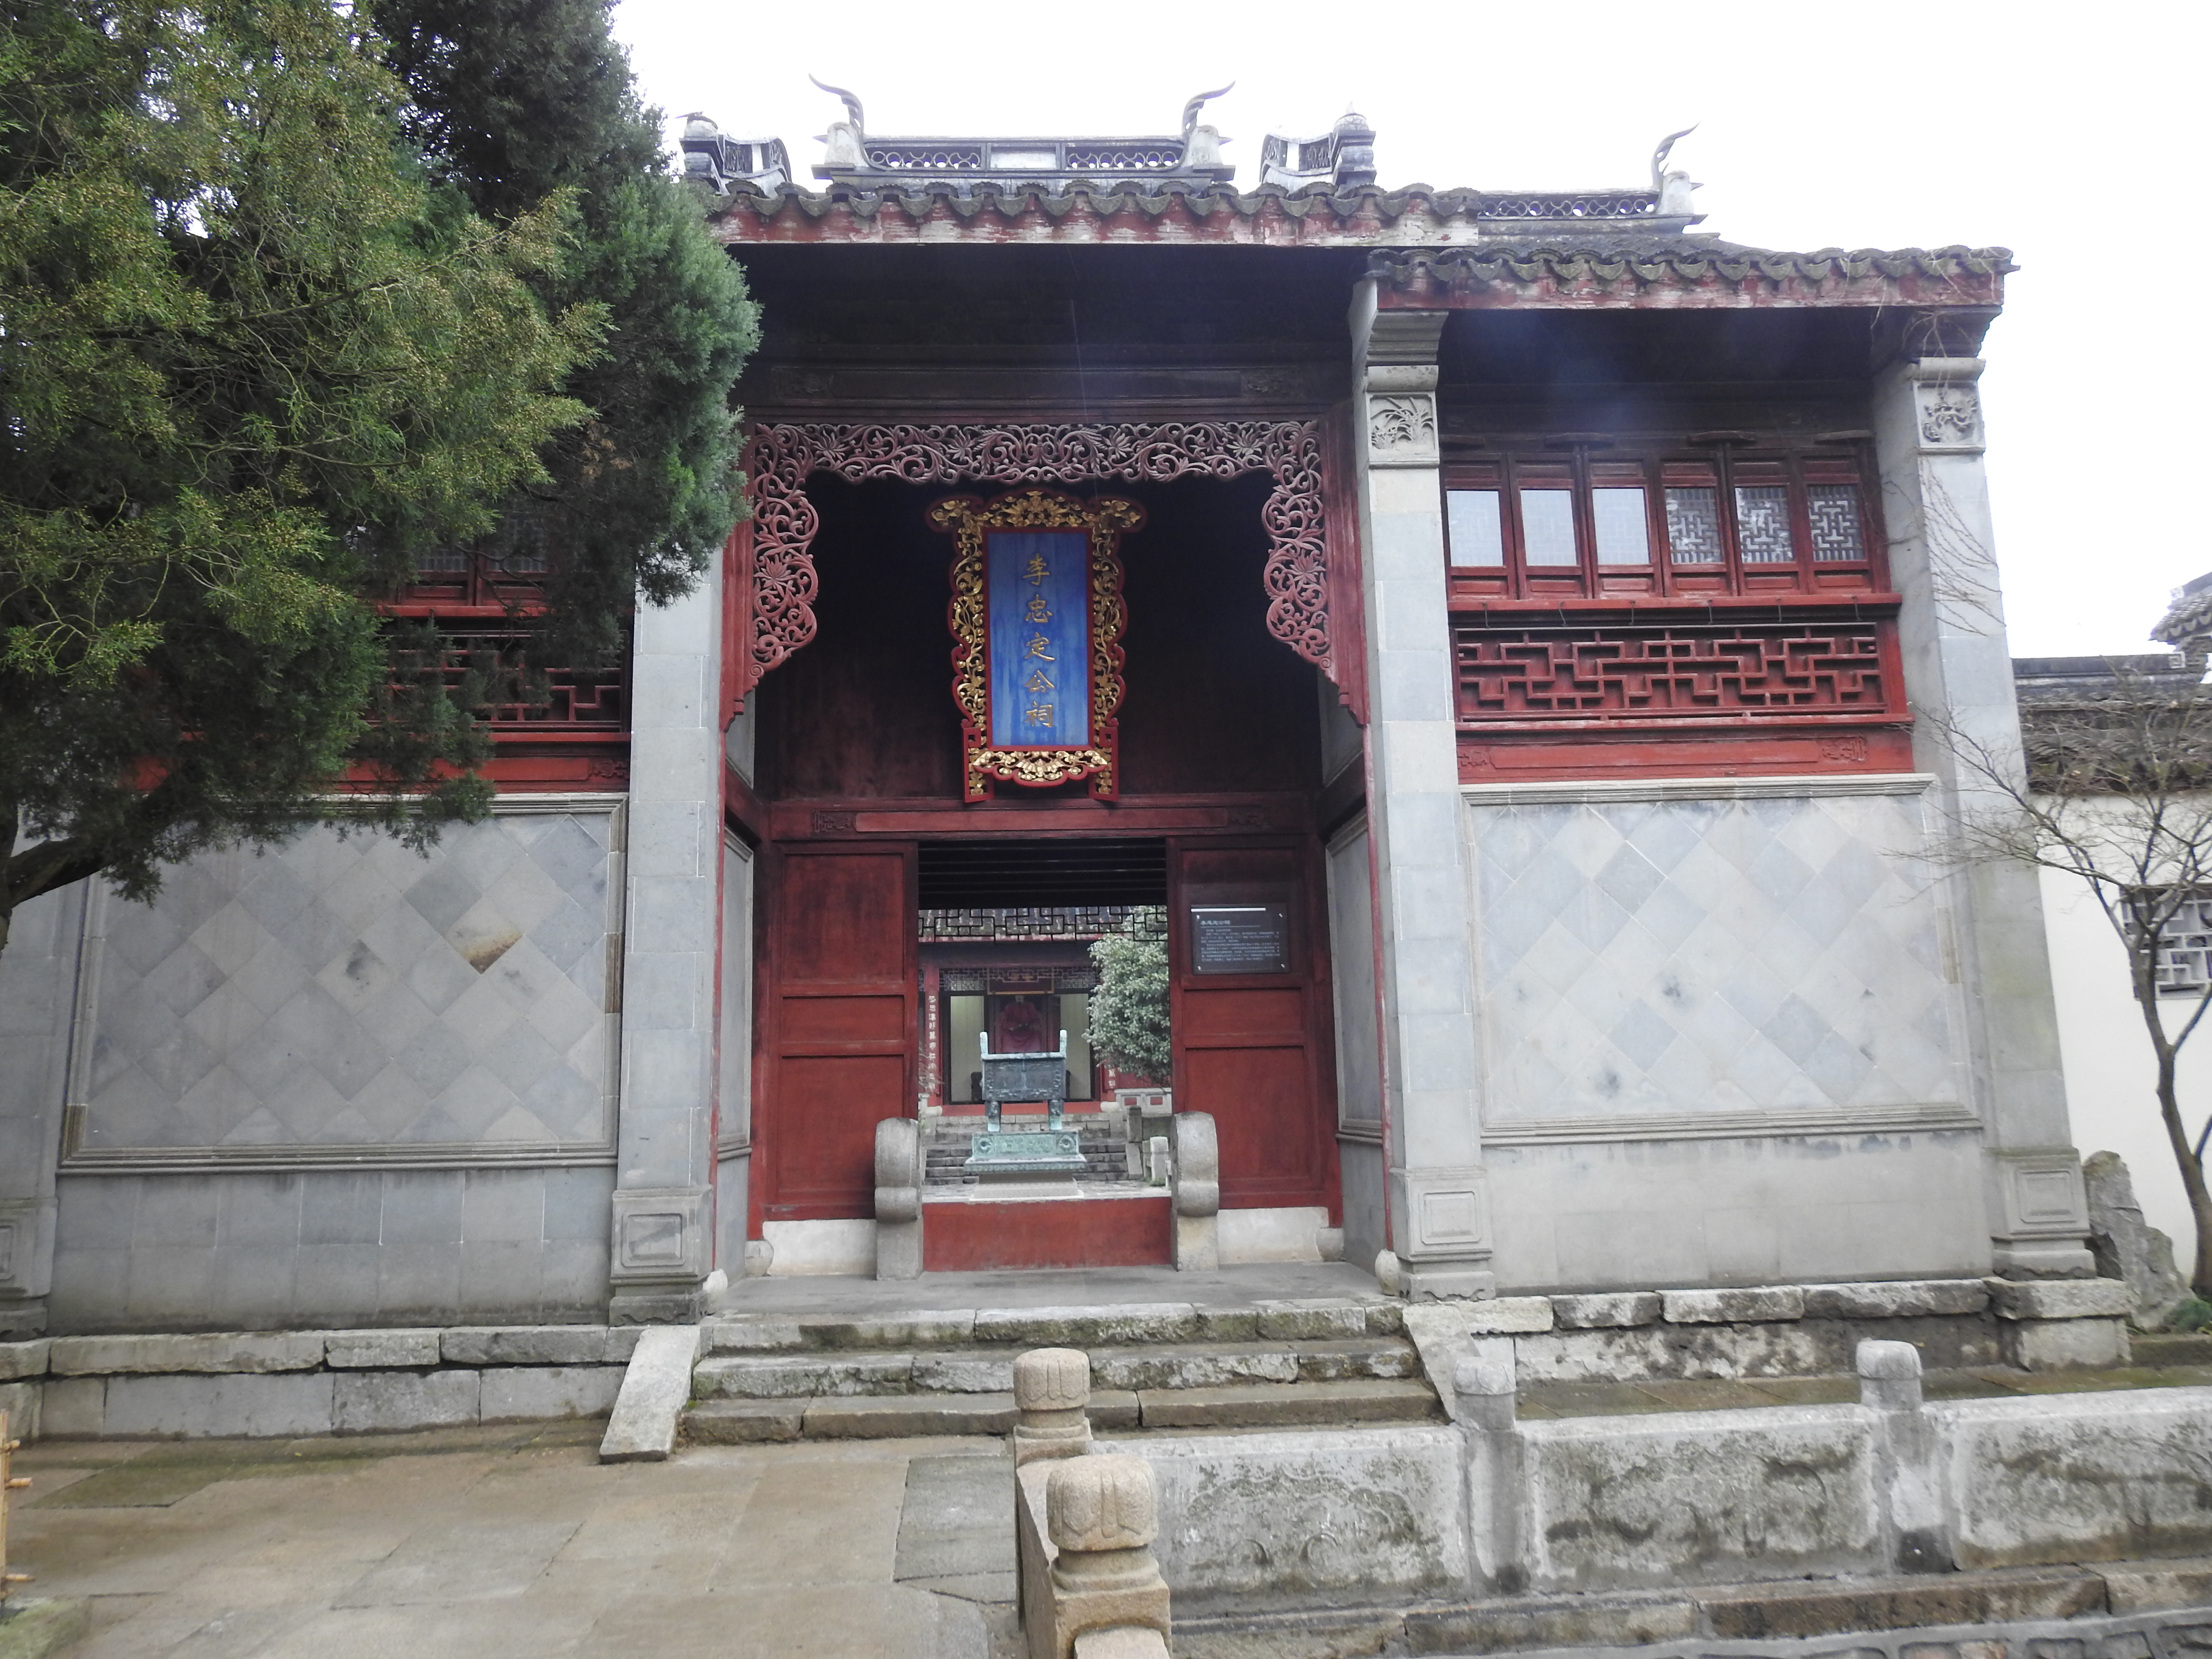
x,y
1160,195
1610,257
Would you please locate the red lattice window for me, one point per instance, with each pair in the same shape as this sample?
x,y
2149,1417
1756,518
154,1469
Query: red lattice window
x,y
1594,522
1521,676
482,607
521,698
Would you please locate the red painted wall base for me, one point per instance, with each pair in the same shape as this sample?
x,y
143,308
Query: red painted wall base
x,y
1079,1232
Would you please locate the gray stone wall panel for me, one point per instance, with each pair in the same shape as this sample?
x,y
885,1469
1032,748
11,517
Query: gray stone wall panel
x,y
2080,1477
1728,1495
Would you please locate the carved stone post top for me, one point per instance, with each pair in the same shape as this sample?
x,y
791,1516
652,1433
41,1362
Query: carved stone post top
x,y
1052,1380
898,1153
1484,1374
1103,1502
1197,1165
1197,1144
1889,1375
1890,1361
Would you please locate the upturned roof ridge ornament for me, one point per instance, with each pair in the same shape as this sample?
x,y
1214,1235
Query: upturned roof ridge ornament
x,y
857,161
1190,110
852,112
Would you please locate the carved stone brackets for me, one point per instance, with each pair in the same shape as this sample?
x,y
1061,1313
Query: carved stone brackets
x,y
1401,415
1947,405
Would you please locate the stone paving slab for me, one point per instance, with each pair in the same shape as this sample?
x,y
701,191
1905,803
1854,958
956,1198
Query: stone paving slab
x,y
518,1544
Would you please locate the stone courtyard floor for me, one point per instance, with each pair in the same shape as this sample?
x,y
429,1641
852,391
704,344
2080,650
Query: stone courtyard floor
x,y
483,1544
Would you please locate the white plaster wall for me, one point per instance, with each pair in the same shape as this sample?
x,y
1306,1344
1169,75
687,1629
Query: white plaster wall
x,y
2111,1078
1751,1210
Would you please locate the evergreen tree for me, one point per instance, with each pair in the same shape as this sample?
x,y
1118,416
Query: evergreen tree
x,y
251,364
512,101
1129,1009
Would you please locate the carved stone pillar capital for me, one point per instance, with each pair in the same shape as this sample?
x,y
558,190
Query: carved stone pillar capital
x,y
1052,1391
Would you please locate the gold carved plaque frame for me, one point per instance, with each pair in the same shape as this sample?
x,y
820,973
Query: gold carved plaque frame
x,y
966,519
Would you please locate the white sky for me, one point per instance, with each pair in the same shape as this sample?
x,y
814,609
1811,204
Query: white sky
x,y
2075,136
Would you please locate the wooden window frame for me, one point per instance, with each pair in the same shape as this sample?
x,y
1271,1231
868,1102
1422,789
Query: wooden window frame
x,y
1589,467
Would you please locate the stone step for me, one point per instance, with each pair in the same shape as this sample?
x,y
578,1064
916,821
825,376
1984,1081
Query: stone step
x,y
984,1370
1121,1325
725,1421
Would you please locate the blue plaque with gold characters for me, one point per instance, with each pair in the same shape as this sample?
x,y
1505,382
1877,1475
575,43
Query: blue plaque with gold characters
x,y
1036,623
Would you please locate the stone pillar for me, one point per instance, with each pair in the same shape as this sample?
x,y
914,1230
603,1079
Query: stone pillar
x,y
1102,1515
1439,1203
1957,678
1052,1394
664,1145
898,1199
1916,1536
1484,1387
38,1001
1197,1198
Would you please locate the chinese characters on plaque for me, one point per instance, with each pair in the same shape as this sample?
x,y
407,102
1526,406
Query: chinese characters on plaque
x,y
1040,590
1037,623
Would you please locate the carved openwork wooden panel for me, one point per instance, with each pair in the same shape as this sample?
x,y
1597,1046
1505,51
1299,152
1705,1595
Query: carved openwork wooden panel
x,y
779,458
1523,675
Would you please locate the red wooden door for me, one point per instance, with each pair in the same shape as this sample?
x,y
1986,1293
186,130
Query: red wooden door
x,y
1251,1014
838,1005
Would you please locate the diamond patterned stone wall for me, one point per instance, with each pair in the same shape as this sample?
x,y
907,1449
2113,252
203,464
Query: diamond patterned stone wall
x,y
1711,954
347,993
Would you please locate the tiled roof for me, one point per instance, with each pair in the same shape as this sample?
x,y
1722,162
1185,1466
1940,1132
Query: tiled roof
x,y
1610,270
1311,217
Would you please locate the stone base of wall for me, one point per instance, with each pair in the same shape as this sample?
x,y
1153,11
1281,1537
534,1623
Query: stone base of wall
x,y
252,1384
2122,1610
1802,1330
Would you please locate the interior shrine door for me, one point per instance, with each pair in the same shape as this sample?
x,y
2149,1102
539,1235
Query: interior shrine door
x,y
1251,1015
838,974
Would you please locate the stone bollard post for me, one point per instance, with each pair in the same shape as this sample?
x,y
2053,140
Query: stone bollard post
x,y
1102,1514
1052,1391
1483,1384
1197,1193
1908,1465
1889,1375
898,1199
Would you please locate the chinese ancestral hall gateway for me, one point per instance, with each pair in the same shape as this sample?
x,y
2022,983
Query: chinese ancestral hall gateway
x,y
1491,637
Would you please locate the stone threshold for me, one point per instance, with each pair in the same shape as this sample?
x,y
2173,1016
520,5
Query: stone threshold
x,y
2116,1610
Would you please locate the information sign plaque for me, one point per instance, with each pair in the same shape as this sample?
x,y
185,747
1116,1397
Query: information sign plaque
x,y
1240,938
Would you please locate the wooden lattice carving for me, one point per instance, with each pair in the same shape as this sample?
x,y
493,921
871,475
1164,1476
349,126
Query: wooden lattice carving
x,y
779,458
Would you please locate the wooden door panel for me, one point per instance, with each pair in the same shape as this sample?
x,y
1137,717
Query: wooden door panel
x,y
1217,1015
814,1022
1263,1112
828,1110
838,1015
846,921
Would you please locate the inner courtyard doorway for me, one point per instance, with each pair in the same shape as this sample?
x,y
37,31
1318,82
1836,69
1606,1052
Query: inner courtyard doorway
x,y
900,926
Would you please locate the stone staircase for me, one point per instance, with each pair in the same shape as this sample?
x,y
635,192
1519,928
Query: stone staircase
x,y
947,1142
1308,1363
